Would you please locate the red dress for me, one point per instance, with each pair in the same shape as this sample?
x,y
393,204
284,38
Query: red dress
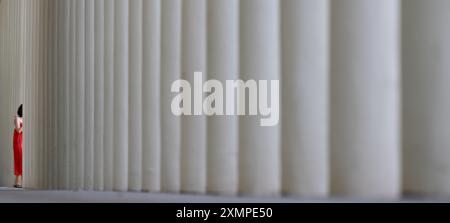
x,y
18,152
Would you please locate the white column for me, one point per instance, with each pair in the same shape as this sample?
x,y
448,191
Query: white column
x,y
2,33
223,58
53,115
33,72
108,154
43,93
7,79
44,88
80,92
170,71
135,103
193,134
99,94
121,95
26,87
63,72
39,56
38,60
72,93
41,88
2,56
56,133
5,97
37,66
64,90
67,111
89,97
151,81
259,153
426,90
56,136
3,51
304,26
2,66
58,75
365,108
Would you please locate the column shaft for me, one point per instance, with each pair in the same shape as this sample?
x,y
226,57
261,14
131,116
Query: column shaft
x,y
89,97
170,71
259,154
135,103
151,82
108,138
99,95
80,92
72,87
121,95
426,108
304,26
193,134
223,58
365,98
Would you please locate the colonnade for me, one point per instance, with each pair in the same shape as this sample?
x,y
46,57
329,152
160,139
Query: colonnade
x,y
363,88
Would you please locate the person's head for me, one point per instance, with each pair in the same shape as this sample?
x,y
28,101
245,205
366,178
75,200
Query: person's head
x,y
19,111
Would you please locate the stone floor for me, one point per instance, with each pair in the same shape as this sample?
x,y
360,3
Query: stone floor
x,y
12,195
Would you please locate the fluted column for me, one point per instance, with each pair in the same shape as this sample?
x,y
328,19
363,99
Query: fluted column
x,y
72,87
223,57
2,49
63,72
26,86
170,71
54,134
40,89
44,92
7,74
38,57
57,133
89,97
53,115
121,95
3,36
99,95
426,90
28,176
193,51
59,9
151,81
259,153
2,56
33,121
135,69
305,97
365,107
80,92
66,87
44,88
108,154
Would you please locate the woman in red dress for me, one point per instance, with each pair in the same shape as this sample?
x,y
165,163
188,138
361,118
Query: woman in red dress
x,y
17,144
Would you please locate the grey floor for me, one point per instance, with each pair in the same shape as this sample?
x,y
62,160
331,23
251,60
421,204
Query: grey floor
x,y
12,195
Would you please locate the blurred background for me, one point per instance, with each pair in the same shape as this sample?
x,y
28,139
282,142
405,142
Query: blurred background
x,y
364,96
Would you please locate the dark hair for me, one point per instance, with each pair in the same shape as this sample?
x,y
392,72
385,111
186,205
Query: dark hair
x,y
19,111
